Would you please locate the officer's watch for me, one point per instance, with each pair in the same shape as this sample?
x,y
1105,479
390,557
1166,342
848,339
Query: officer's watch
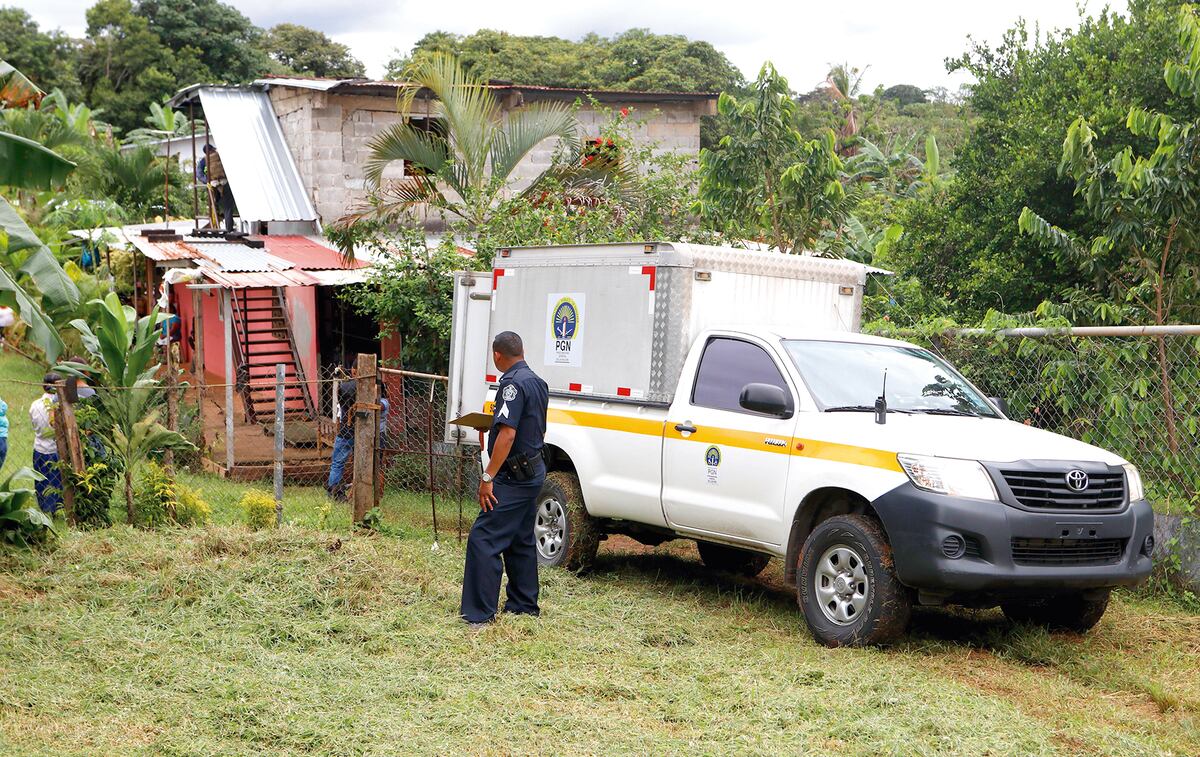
x,y
485,477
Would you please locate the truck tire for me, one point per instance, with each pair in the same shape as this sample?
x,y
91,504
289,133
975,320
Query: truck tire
x,y
847,586
564,534
1064,612
743,562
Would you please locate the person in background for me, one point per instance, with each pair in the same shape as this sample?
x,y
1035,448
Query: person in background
x,y
343,443
45,447
215,173
7,319
3,431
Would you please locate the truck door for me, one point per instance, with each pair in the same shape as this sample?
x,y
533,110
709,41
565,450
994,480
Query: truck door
x,y
470,353
725,468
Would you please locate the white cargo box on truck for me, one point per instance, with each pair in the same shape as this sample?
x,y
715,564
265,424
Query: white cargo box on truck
x,y
617,320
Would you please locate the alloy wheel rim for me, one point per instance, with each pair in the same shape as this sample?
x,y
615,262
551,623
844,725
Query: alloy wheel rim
x,y
550,528
841,585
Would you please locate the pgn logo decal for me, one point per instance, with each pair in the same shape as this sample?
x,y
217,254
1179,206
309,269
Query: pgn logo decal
x,y
564,342
566,319
712,456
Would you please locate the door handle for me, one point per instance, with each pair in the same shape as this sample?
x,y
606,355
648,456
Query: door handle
x,y
685,428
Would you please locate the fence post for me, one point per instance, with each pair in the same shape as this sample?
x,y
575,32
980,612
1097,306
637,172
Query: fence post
x,y
66,433
227,305
366,426
279,367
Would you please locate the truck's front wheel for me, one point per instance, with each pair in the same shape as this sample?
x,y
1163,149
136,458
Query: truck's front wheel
x,y
1065,612
564,533
847,586
731,559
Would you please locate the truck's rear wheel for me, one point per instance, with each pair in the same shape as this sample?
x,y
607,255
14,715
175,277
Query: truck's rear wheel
x,y
731,559
564,533
1064,612
847,586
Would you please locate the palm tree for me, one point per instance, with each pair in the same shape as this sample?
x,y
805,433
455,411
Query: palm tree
x,y
465,166
844,83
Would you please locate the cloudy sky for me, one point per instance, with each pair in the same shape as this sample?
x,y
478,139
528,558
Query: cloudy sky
x,y
902,42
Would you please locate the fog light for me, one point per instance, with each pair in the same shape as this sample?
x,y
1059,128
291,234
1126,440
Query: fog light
x,y
953,546
1148,545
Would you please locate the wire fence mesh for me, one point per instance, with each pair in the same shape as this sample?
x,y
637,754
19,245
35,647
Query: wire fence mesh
x,y
1138,396
245,455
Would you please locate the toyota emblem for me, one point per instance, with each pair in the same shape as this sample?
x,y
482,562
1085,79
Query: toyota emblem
x,y
1077,480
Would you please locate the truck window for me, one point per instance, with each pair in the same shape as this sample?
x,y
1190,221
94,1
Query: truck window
x,y
726,366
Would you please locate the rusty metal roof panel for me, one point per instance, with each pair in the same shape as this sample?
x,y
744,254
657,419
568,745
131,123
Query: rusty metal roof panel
x,y
238,257
239,280
308,254
266,183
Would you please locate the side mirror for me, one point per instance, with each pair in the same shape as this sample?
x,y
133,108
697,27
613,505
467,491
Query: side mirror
x,y
1001,404
767,399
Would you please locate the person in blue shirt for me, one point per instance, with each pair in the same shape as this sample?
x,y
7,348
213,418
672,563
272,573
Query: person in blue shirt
x,y
502,538
3,432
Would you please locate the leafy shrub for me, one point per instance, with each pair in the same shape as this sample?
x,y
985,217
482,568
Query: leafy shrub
x,y
159,500
22,524
93,495
258,508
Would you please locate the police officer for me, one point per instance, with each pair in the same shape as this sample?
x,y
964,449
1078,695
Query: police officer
x,y
508,492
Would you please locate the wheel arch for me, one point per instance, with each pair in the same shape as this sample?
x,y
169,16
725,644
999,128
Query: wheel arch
x,y
817,506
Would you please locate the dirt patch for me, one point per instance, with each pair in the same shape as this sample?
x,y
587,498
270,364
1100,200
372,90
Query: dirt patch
x,y
13,592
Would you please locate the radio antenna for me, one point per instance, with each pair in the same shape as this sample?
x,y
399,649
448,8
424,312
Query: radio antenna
x,y
881,407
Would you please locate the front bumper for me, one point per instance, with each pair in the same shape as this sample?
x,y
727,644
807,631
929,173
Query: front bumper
x,y
918,522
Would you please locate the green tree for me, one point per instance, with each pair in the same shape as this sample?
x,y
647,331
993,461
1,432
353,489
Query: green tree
x,y
765,182
964,244
635,59
904,94
301,50
228,44
48,58
1146,251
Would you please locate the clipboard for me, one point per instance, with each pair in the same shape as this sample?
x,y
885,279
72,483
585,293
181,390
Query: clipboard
x,y
477,421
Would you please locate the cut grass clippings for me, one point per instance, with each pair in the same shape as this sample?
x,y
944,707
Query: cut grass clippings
x,y
290,641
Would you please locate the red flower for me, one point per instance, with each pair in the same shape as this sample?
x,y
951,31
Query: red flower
x,y
624,112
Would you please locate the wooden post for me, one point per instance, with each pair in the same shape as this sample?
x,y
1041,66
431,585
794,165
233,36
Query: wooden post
x,y
66,435
279,368
366,427
227,302
172,400
198,359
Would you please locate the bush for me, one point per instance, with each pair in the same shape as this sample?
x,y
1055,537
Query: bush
x,y
159,500
259,509
22,524
93,495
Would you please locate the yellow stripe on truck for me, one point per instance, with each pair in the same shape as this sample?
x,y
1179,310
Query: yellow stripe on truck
x,y
810,448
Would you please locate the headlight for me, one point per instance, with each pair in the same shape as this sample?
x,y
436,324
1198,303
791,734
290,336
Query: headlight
x,y
947,475
1133,480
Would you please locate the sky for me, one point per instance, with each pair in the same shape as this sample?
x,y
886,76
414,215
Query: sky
x,y
898,42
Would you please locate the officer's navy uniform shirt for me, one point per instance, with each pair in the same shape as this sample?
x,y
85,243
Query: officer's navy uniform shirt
x,y
521,403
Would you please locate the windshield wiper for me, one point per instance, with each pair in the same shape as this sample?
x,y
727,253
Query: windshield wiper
x,y
945,411
861,409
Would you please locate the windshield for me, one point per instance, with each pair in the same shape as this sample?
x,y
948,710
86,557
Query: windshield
x,y
848,376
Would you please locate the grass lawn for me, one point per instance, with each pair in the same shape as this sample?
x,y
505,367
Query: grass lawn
x,y
217,640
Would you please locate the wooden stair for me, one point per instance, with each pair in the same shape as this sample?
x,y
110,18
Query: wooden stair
x,y
263,337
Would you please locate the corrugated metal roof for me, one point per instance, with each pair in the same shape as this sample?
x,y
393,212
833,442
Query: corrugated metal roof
x,y
239,257
337,278
349,85
266,184
300,82
308,254
238,280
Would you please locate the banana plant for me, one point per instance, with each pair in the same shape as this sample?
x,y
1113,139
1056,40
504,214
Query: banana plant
x,y
130,395
22,523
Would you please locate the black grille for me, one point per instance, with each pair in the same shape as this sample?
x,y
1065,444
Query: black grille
x,y
1048,490
1067,551
973,549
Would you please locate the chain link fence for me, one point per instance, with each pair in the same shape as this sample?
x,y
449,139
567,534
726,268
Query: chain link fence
x,y
249,462
1136,394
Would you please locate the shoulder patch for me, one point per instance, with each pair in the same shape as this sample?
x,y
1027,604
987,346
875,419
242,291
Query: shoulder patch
x,y
510,392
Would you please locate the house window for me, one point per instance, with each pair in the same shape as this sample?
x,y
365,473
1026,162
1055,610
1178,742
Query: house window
x,y
426,124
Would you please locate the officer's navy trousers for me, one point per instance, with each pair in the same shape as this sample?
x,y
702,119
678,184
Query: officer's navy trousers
x,y
501,541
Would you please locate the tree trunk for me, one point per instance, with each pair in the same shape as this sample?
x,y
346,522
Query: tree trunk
x,y
128,495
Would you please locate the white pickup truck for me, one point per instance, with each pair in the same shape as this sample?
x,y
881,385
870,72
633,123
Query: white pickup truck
x,y
871,467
